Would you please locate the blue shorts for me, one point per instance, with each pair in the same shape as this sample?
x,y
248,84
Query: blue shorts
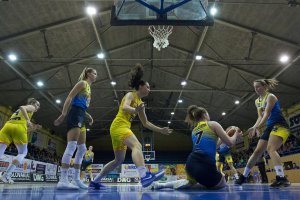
x,y
202,168
76,117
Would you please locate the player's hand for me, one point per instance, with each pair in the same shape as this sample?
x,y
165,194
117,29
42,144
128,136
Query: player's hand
x,y
59,120
29,124
139,107
166,131
253,132
91,121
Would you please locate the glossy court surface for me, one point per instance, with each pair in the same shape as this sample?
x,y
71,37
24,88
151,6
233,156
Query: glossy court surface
x,y
135,192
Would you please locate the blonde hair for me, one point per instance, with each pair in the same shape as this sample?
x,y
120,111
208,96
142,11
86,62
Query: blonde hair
x,y
31,101
83,75
194,114
270,83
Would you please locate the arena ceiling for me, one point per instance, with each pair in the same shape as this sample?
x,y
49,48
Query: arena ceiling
x,y
55,39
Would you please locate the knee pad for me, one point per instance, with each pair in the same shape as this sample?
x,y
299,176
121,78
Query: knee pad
x,y
81,149
70,149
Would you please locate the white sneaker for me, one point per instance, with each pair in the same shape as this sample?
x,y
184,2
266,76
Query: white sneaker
x,y
80,184
6,179
157,186
181,184
66,185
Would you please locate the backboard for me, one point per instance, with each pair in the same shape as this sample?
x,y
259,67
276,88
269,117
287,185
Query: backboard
x,y
161,12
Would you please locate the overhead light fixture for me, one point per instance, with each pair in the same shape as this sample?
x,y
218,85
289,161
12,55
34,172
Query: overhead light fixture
x,y
113,83
12,57
172,113
90,10
88,129
180,101
223,113
169,122
237,102
198,57
58,101
213,11
183,83
284,58
100,55
40,83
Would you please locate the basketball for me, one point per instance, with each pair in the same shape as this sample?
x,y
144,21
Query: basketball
x,y
231,130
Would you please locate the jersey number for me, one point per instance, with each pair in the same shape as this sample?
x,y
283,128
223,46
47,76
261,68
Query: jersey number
x,y
199,134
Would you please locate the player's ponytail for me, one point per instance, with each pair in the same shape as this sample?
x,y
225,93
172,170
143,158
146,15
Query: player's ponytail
x,y
84,73
194,114
270,83
136,75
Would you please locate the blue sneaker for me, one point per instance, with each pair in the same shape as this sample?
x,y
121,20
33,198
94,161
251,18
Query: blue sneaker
x,y
96,186
150,177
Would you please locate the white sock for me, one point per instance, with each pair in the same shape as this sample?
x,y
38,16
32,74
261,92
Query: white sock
x,y
77,174
10,169
236,176
142,171
64,174
279,170
247,171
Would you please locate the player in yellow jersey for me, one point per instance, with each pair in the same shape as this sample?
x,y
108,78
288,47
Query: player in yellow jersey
x,y
79,99
15,131
87,163
122,136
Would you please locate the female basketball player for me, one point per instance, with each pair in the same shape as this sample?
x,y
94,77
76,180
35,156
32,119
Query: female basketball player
x,y
201,163
275,133
79,98
122,136
15,131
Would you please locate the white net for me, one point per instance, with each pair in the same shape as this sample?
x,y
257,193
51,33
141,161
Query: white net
x,y
147,158
160,35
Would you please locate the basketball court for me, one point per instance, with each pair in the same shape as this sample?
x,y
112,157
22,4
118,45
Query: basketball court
x,y
191,52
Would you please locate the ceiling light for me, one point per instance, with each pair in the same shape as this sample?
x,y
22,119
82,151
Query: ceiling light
x,y
40,83
12,57
90,10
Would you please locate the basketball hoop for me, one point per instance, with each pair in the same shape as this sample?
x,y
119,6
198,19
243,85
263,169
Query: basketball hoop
x,y
160,35
147,158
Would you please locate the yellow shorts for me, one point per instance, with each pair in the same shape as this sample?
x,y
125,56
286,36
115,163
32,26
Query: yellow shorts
x,y
281,131
228,158
83,129
89,168
16,133
118,135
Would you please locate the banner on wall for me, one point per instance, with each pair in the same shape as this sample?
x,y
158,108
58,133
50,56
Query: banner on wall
x,y
294,123
180,171
129,171
153,168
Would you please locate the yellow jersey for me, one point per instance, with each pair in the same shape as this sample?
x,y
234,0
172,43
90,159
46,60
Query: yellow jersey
x,y
89,155
124,119
18,117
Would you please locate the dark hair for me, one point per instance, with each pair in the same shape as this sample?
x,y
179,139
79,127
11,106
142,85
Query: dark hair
x,y
270,83
31,101
136,75
83,75
194,114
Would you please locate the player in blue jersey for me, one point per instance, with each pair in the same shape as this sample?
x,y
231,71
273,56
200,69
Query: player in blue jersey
x,y
79,99
276,131
201,163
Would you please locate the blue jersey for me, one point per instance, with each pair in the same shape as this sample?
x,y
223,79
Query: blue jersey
x,y
276,116
83,98
204,140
